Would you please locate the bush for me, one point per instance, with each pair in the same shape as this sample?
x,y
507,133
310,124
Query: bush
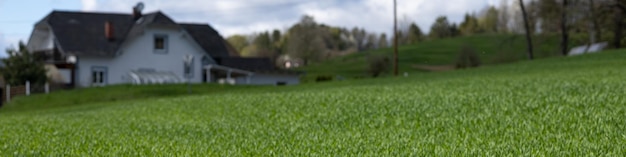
x,y
467,58
323,78
22,66
378,65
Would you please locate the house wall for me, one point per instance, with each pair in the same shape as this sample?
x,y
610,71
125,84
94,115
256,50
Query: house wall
x,y
270,79
139,53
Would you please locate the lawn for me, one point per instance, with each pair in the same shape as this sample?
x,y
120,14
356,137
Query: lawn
x,y
571,106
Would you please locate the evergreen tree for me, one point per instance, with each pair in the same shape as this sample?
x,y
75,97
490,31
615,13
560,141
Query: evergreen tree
x,y
22,66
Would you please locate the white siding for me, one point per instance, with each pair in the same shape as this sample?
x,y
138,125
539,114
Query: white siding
x,y
42,38
139,53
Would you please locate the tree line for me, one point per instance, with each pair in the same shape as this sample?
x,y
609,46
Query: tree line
x,y
585,21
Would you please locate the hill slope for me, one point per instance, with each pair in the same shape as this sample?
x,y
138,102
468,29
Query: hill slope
x,y
492,49
552,107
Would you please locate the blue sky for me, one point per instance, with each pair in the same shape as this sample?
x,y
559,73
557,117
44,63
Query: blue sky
x,y
229,17
17,17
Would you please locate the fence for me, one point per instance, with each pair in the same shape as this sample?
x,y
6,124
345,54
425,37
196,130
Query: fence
x,y
10,92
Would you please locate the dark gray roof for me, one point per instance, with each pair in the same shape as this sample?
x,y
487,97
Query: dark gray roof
x,y
82,33
259,65
208,39
249,64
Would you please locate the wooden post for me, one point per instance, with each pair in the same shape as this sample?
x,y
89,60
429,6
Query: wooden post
x,y
208,74
47,87
8,92
228,74
248,79
27,88
73,73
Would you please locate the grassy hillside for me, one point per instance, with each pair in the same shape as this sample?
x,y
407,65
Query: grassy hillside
x,y
550,107
492,49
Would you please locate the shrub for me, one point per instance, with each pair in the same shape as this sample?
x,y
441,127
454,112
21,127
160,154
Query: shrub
x,y
323,78
22,66
467,58
378,65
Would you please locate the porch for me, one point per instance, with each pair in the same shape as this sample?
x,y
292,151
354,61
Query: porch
x,y
215,73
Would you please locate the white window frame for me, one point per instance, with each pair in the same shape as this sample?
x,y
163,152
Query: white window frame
x,y
99,75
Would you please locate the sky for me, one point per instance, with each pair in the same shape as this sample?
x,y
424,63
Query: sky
x,y
229,17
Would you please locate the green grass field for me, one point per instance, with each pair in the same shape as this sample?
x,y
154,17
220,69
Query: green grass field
x,y
551,107
492,49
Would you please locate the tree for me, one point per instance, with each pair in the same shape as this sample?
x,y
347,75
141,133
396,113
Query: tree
x,y
564,28
249,51
360,37
454,30
415,34
277,42
441,28
595,32
470,25
503,16
620,13
22,66
371,42
549,12
382,41
305,41
239,42
264,46
528,38
403,30
276,36
489,21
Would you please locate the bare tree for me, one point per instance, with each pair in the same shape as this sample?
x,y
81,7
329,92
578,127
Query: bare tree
x,y
360,37
382,41
503,16
620,10
528,38
596,32
371,42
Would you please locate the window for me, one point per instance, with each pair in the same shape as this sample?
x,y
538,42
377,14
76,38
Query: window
x,y
98,76
160,43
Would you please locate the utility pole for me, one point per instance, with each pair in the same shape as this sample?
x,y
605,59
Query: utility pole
x,y
395,39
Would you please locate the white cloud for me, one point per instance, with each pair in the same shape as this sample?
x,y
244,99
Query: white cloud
x,y
247,16
88,5
9,41
3,45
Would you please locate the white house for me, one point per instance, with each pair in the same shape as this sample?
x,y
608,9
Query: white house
x,y
97,49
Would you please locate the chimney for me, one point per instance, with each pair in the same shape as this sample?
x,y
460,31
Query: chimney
x,y
137,11
108,31
136,14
